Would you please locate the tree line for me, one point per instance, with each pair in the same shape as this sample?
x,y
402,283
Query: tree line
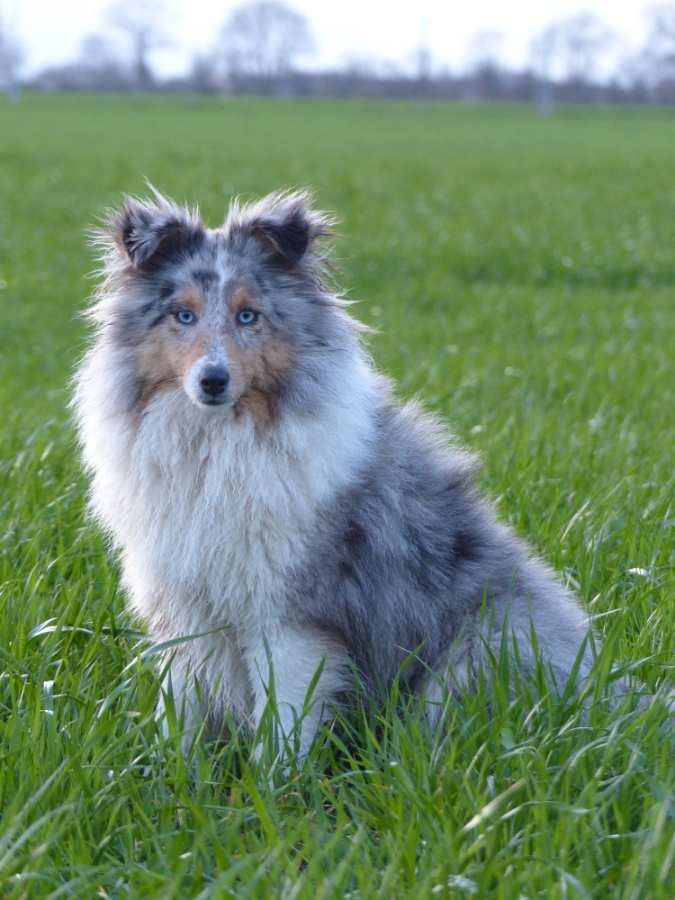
x,y
260,45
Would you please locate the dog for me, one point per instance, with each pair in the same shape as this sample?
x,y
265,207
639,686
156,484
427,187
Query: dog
x,y
271,500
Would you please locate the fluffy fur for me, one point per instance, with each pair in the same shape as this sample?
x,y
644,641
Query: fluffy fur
x,y
263,485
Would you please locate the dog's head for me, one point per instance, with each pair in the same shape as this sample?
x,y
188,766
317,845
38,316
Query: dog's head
x,y
235,317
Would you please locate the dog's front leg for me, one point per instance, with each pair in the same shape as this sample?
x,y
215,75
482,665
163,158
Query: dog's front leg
x,y
206,690
284,662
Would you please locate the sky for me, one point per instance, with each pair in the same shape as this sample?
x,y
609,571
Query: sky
x,y
345,31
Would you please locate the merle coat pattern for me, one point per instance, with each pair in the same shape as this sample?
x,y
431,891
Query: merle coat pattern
x,y
263,484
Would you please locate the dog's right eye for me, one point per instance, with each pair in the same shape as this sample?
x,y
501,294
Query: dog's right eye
x,y
185,317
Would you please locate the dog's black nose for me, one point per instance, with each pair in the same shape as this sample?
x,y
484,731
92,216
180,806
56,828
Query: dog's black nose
x,y
214,380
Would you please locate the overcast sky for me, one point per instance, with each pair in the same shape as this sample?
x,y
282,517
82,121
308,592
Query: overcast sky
x,y
50,31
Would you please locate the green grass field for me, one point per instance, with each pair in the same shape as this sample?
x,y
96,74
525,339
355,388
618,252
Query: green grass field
x,y
521,273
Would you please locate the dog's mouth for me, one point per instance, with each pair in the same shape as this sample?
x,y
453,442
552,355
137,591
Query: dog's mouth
x,y
206,400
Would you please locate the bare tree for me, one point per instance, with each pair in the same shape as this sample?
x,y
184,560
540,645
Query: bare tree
x,y
424,51
659,53
143,23
570,50
205,76
263,39
10,58
571,47
100,64
97,52
98,68
484,54
584,36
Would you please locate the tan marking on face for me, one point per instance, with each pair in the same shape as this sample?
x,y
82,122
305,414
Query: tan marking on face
x,y
258,375
193,299
165,355
241,299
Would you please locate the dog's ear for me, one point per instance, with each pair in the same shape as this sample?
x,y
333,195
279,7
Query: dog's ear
x,y
150,233
285,224
289,236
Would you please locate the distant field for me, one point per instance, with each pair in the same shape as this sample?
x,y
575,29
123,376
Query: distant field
x,y
521,273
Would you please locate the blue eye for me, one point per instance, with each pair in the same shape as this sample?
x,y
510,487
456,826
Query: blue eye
x,y
247,317
185,317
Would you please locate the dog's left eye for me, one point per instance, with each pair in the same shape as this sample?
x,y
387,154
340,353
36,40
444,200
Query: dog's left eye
x,y
185,317
247,317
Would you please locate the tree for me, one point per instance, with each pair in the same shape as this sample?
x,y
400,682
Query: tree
x,y
98,68
142,21
659,53
205,75
485,49
100,65
10,58
572,46
262,39
569,49
484,53
96,52
583,37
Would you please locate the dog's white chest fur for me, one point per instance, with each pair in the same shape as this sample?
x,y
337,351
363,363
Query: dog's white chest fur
x,y
210,516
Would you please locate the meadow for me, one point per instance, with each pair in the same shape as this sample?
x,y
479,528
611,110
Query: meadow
x,y
520,273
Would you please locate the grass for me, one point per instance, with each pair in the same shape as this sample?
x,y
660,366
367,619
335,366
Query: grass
x,y
521,273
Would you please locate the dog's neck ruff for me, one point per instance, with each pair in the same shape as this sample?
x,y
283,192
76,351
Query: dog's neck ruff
x,y
209,513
